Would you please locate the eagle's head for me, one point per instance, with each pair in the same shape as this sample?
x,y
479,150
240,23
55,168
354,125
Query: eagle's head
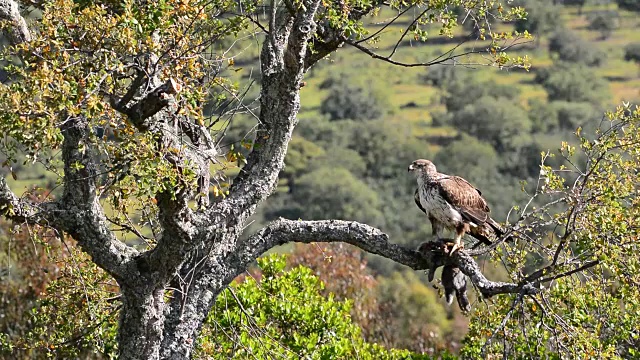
x,y
423,167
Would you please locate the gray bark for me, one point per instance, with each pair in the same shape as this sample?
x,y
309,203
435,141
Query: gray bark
x,y
18,31
199,252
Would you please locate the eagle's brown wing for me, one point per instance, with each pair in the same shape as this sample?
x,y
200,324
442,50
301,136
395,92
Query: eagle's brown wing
x,y
472,206
416,198
465,198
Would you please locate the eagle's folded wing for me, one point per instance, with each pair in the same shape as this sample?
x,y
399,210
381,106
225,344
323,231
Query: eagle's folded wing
x,y
416,198
465,198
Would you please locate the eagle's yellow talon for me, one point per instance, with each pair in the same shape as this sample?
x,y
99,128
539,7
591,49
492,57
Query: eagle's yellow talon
x,y
458,246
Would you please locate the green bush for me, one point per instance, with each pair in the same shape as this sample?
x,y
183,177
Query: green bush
x,y
632,52
542,17
285,316
570,47
605,22
334,193
350,98
573,83
495,121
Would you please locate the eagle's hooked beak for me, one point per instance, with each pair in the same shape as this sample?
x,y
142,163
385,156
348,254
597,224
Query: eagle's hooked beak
x,y
411,168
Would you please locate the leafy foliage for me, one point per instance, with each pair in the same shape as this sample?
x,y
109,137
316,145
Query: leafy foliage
x,y
350,98
250,319
85,56
593,314
397,311
570,47
573,83
72,312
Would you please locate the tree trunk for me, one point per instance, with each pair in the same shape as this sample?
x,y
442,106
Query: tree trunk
x,y
189,307
141,324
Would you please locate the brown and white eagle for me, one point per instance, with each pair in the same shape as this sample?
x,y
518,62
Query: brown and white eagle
x,y
452,203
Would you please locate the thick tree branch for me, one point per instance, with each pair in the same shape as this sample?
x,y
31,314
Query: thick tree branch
x,y
156,112
154,101
18,30
81,214
283,67
21,211
374,241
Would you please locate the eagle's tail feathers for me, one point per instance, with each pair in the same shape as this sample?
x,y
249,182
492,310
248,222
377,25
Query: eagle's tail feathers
x,y
480,233
498,230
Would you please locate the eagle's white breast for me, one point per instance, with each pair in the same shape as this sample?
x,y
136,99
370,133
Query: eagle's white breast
x,y
437,207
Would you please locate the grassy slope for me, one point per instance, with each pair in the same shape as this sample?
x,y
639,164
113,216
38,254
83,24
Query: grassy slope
x,y
623,77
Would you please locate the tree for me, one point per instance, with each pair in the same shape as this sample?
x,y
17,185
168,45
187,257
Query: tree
x,y
110,95
578,3
573,115
605,23
631,5
573,83
336,191
470,158
632,53
463,90
357,100
542,18
299,156
570,47
497,122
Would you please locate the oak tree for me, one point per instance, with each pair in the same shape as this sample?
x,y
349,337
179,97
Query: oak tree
x,y
109,97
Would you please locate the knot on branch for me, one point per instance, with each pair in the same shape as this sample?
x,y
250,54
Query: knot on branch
x,y
305,28
151,103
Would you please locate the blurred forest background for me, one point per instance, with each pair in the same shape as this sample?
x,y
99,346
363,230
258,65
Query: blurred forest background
x,y
363,121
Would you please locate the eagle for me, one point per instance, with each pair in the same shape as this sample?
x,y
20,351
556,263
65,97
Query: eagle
x,y
452,203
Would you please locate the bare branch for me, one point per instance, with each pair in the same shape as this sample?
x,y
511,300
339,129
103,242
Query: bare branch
x,y
571,272
373,241
19,32
395,18
447,56
406,31
503,323
388,59
21,211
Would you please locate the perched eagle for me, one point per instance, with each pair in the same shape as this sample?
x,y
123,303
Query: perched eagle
x,y
452,203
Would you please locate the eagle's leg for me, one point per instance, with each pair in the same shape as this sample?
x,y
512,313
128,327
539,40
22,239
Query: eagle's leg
x,y
458,244
437,228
